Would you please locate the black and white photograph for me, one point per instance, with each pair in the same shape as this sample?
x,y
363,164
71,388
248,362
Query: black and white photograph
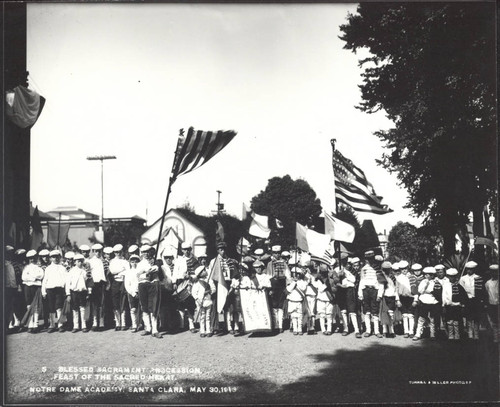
x,y
249,203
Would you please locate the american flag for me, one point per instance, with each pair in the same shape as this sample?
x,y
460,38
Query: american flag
x,y
197,147
353,188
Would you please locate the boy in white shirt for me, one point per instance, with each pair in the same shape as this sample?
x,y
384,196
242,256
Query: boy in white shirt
x,y
296,297
202,291
78,290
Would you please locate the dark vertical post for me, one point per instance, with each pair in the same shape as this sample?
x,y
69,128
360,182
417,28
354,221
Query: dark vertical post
x,y
15,154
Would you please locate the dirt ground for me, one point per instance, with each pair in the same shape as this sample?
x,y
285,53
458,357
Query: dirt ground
x,y
245,370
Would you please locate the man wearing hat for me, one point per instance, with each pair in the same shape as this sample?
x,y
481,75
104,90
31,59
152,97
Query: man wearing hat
x,y
427,304
133,249
149,286
326,301
78,289
202,291
277,270
297,299
407,292
97,272
53,284
388,304
68,261
370,292
118,267
168,260
32,279
225,265
182,275
474,287
43,258
346,284
439,283
454,299
491,287
131,284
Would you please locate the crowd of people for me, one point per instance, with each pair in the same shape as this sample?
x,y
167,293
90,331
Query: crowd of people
x,y
149,293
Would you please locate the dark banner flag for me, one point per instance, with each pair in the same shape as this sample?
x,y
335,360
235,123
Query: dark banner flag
x,y
57,234
37,234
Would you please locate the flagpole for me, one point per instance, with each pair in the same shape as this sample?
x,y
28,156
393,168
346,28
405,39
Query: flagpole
x,y
58,229
336,242
171,180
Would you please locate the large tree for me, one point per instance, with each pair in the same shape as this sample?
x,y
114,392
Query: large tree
x,y
431,68
407,242
289,201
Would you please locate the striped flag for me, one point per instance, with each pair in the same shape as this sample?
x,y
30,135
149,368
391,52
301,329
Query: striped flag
x,y
339,230
313,242
197,147
353,189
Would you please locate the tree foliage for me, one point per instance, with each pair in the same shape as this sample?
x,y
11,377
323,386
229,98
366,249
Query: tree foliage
x,y
416,245
289,201
432,70
124,233
233,230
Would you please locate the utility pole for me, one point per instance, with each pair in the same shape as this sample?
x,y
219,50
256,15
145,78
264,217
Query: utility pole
x,y
220,206
101,158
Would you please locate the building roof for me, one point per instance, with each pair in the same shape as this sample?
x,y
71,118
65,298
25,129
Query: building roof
x,y
72,213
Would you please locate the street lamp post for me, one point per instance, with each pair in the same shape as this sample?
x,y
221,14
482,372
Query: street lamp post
x,y
101,158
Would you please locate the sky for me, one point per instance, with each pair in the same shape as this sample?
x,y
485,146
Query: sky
x,y
122,79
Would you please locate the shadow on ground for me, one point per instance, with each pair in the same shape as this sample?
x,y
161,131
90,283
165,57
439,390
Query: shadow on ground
x,y
380,372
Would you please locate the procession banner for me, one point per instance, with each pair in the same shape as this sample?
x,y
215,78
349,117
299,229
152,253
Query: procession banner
x,y
255,311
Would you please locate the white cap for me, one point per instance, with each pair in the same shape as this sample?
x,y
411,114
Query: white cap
x,y
258,252
118,247
378,257
31,253
44,252
276,248
414,266
69,255
8,248
493,267
439,267
145,248
134,257
470,264
395,266
285,254
429,270
451,272
20,251
404,264
108,250
168,252
84,248
78,257
54,253
185,245
355,260
133,248
97,246
198,270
